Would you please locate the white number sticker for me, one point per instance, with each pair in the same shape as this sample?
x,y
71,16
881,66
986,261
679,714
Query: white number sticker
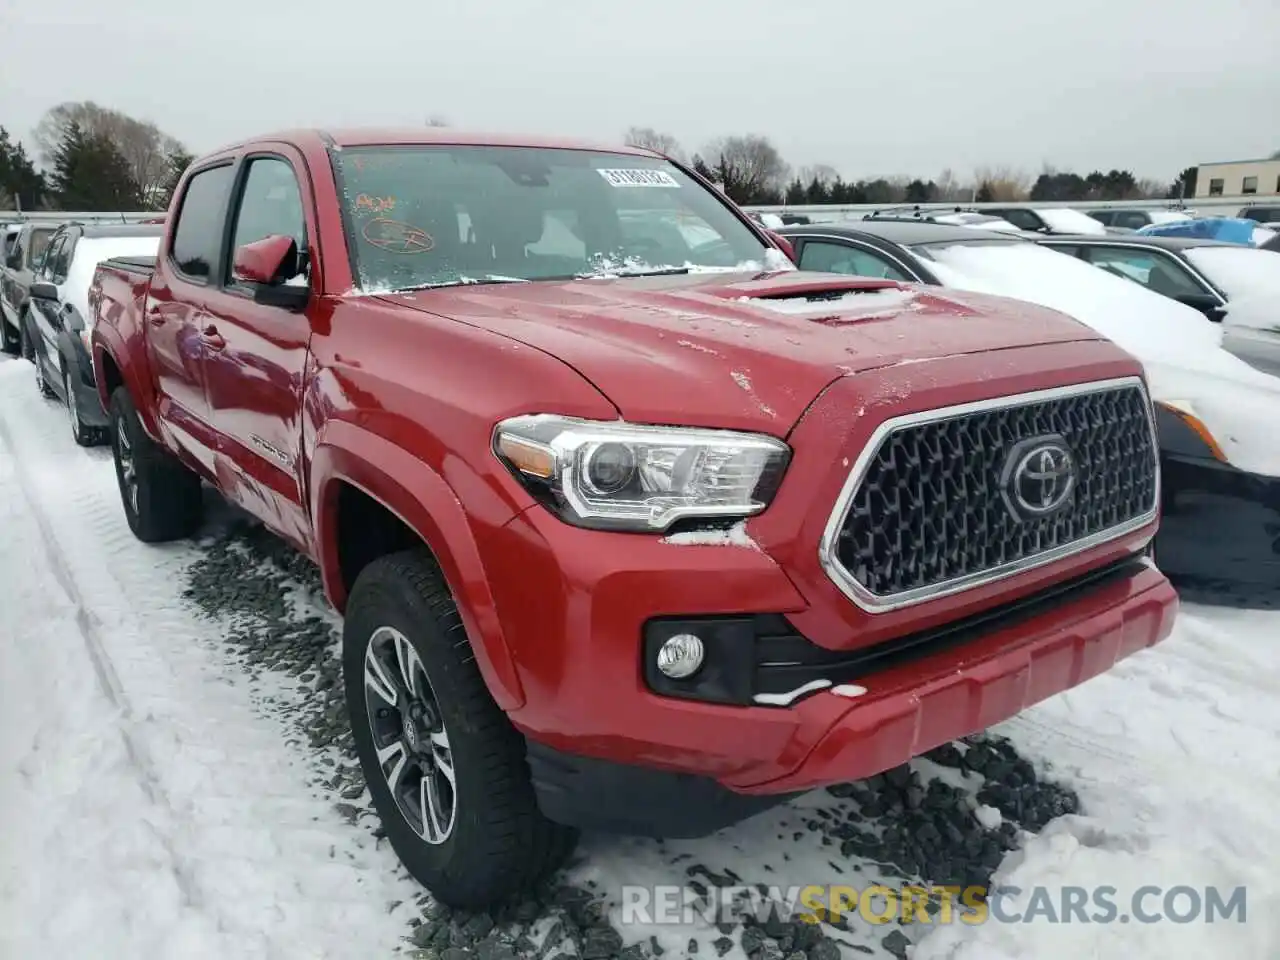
x,y
639,178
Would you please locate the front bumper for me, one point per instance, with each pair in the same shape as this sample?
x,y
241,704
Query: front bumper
x,y
575,607
1219,535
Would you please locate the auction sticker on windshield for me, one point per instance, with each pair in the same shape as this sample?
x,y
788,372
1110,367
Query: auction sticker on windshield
x,y
639,178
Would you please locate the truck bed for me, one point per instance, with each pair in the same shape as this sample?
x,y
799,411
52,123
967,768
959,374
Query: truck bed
x,y
140,265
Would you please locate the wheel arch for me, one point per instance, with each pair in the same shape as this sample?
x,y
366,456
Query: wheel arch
x,y
370,498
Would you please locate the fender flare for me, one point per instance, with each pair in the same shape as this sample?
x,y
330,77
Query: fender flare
x,y
427,505
107,342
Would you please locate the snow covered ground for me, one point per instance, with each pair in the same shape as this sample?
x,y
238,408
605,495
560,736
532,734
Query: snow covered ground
x,y
157,801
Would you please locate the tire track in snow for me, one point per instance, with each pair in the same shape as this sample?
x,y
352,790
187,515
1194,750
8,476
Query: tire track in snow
x,y
277,870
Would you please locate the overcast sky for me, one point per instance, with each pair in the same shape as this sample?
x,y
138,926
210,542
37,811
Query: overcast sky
x,y
902,86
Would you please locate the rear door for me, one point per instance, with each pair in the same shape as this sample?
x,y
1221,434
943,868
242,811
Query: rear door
x,y
175,311
255,365
46,314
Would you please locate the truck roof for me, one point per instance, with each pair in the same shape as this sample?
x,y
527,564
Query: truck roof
x,y
414,136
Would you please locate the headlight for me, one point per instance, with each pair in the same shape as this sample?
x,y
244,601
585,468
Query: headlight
x,y
1185,413
620,476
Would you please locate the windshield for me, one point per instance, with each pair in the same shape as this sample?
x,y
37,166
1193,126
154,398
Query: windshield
x,y
422,216
1238,271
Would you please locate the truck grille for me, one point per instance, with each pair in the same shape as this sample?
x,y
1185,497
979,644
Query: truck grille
x,y
954,498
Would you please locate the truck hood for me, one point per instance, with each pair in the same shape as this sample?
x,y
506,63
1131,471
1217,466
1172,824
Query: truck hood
x,y
740,351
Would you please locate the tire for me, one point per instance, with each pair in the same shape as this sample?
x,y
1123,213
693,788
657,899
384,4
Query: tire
x,y
498,844
42,384
162,499
10,341
85,436
24,341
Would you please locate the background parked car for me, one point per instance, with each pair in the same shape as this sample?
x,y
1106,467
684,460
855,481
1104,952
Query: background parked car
x,y
1049,220
58,323
24,258
1262,213
1137,219
1205,274
1215,413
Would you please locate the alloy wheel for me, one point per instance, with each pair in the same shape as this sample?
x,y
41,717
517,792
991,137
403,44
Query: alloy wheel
x,y
72,410
409,735
128,469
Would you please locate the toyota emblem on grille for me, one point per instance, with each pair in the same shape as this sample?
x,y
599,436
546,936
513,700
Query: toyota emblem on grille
x,y
1039,477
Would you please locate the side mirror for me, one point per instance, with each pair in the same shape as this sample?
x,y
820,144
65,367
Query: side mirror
x,y
783,244
270,266
43,290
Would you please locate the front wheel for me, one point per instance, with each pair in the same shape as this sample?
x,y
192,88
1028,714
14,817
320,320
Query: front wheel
x,y
446,769
84,435
162,498
42,384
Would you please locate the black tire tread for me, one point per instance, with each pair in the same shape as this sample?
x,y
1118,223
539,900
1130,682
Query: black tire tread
x,y
523,847
171,507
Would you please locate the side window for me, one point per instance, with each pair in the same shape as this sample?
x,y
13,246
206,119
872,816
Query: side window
x,y
62,262
49,269
270,205
824,257
1104,217
14,261
9,240
200,218
1154,271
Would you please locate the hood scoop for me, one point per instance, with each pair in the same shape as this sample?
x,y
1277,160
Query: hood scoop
x,y
867,300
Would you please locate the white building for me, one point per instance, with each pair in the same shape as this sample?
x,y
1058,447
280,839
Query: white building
x,y
1239,178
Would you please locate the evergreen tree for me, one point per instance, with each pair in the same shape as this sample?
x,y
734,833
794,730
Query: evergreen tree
x,y
178,162
19,178
90,174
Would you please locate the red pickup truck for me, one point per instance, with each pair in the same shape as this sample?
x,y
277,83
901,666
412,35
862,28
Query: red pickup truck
x,y
633,525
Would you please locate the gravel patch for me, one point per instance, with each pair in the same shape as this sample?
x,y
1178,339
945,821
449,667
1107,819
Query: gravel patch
x,y
945,819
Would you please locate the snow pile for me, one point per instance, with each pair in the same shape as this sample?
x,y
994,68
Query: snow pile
x,y
1180,348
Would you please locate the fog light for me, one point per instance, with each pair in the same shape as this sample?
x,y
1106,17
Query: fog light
x,y
680,656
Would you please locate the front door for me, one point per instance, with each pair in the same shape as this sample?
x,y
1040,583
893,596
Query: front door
x,y
257,355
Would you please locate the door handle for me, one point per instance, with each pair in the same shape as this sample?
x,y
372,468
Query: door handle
x,y
213,340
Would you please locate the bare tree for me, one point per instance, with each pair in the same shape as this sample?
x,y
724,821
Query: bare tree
x,y
822,172
1004,183
647,138
1152,189
750,167
143,145
952,190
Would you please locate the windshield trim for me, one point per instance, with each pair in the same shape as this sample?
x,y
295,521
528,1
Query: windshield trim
x,y
334,151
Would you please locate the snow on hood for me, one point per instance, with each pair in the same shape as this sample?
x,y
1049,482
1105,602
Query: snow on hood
x,y
1257,313
1239,271
1180,348
1066,220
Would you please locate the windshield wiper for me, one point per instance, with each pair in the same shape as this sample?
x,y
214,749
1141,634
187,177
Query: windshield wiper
x,y
659,272
469,282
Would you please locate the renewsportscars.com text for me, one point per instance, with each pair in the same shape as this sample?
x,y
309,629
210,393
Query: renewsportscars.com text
x,y
974,905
